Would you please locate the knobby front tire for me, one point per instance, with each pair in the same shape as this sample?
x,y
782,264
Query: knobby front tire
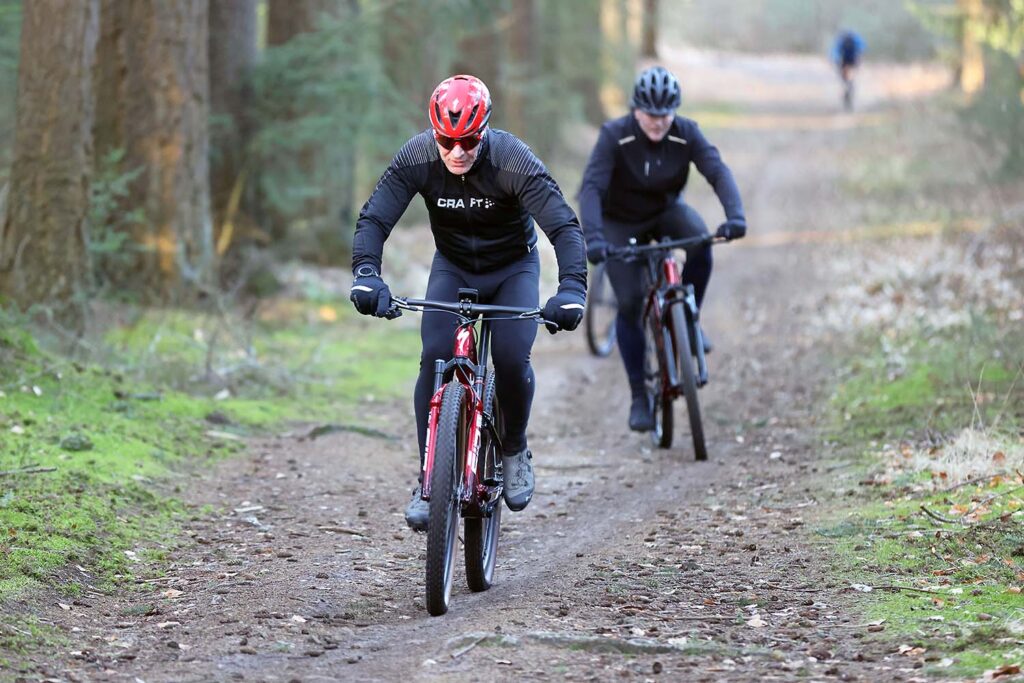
x,y
657,353
600,314
686,370
443,529
481,533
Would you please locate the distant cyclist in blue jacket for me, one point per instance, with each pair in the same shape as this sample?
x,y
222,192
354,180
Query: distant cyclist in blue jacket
x,y
846,54
632,187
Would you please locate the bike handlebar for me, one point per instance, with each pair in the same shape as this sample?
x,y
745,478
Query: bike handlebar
x,y
636,250
466,309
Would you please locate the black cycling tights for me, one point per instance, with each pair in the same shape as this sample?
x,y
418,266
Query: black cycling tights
x,y
511,340
628,279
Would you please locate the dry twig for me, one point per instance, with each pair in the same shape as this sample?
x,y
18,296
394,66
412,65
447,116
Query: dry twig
x,y
341,530
27,470
938,517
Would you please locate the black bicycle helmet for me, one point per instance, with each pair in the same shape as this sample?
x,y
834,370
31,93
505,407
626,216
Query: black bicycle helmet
x,y
656,92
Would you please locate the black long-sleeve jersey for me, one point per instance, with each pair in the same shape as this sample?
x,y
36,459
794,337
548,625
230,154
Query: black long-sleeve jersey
x,y
631,179
480,220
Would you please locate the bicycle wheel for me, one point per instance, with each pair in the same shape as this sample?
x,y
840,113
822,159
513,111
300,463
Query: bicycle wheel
x,y
482,532
655,358
687,373
443,530
599,317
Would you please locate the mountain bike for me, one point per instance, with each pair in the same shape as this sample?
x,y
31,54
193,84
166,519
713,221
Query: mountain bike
x,y
846,74
462,473
599,317
674,363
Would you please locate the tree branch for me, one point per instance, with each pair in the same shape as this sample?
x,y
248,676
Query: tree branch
x,y
936,516
27,470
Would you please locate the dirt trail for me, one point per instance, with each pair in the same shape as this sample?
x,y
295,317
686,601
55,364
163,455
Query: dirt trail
x,y
629,563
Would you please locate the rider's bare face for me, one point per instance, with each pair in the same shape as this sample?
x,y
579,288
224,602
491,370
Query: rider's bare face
x,y
457,160
654,127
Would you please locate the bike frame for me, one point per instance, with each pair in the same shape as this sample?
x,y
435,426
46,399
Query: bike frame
x,y
665,287
478,497
479,493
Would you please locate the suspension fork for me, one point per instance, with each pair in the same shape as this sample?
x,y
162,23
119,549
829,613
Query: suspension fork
x,y
697,337
473,381
457,365
475,423
432,419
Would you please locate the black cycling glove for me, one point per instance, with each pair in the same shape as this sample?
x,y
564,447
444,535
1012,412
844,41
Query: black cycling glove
x,y
597,251
564,311
370,294
732,229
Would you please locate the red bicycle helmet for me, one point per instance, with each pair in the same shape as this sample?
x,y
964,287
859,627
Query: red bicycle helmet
x,y
460,107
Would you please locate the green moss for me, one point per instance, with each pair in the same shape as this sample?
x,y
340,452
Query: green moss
x,y
100,441
970,568
293,354
922,381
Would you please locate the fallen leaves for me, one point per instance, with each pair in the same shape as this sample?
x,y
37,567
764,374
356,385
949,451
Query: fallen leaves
x,y
1007,670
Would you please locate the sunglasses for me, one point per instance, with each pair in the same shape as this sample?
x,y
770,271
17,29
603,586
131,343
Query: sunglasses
x,y
467,143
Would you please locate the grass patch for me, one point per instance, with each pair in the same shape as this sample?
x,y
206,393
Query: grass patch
x,y
90,449
931,382
22,635
937,531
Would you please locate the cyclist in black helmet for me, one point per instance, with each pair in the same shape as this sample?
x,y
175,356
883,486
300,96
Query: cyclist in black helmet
x,y
632,187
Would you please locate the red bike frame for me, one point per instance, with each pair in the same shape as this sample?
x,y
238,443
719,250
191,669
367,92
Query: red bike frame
x,y
657,300
468,367
465,358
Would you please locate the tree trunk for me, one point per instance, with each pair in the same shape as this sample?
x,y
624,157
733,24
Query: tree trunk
x,y
287,19
615,43
43,255
480,53
522,49
971,69
166,106
233,51
589,83
108,77
649,38
414,66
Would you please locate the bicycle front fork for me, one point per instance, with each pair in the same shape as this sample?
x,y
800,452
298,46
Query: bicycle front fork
x,y
697,335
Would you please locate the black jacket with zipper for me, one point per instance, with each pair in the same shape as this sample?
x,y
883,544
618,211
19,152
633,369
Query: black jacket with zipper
x,y
481,220
631,179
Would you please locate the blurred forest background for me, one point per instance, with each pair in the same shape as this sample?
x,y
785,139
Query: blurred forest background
x,y
167,152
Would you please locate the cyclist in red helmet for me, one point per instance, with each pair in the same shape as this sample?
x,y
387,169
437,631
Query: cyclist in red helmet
x,y
483,189
632,187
